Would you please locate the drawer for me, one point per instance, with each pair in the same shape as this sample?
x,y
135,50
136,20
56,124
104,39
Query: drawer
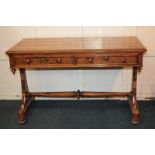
x,y
44,61
77,61
107,60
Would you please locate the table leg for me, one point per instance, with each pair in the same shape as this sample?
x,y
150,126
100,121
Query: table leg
x,y
26,97
133,99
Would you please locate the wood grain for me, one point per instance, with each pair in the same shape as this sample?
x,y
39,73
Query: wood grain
x,y
77,44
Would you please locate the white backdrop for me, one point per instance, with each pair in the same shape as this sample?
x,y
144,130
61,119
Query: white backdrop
x,y
98,80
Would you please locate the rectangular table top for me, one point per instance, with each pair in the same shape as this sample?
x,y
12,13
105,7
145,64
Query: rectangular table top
x,y
115,44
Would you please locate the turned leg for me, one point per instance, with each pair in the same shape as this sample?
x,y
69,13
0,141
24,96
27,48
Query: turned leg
x,y
26,97
133,99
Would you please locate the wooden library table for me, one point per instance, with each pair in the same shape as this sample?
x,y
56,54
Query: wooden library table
x,y
77,53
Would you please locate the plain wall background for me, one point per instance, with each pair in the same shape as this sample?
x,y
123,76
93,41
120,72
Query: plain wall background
x,y
98,80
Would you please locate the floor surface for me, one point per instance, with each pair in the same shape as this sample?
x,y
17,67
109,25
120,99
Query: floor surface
x,y
73,114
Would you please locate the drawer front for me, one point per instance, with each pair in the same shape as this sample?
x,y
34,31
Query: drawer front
x,y
44,61
108,60
76,61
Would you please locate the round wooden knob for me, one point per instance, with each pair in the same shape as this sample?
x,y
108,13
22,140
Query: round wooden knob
x,y
59,60
90,60
28,61
43,60
106,58
123,60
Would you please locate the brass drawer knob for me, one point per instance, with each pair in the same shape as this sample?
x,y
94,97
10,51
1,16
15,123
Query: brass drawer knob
x,y
59,60
123,60
28,61
90,60
106,58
